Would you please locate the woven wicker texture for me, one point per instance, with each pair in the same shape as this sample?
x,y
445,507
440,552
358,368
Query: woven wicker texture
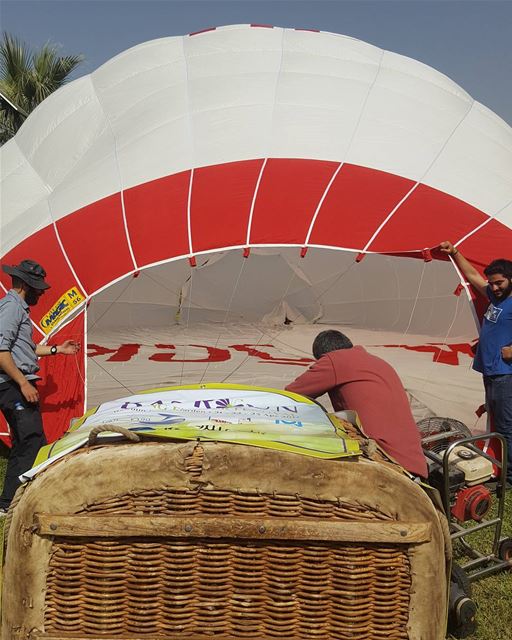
x,y
230,588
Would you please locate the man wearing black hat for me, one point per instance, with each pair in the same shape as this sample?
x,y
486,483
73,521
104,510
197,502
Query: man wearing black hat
x,y
19,355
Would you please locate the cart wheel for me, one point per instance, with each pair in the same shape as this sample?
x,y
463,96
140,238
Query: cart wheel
x,y
462,609
460,577
505,550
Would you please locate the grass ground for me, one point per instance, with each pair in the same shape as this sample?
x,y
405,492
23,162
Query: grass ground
x,y
493,595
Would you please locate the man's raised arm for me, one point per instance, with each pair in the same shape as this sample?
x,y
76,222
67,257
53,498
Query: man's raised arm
x,y
472,275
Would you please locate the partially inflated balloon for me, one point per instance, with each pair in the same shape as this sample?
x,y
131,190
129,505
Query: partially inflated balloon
x,y
271,159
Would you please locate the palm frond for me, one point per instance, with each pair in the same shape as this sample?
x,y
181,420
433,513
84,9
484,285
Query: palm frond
x,y
27,78
15,57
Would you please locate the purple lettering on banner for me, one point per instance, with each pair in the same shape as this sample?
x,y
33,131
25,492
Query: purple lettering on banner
x,y
290,409
206,403
225,403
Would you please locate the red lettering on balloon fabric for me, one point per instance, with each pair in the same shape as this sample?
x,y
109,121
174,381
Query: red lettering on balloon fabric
x,y
214,354
444,354
126,352
123,353
252,351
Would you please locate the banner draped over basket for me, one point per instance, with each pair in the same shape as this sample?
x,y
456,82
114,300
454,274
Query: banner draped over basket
x,y
266,418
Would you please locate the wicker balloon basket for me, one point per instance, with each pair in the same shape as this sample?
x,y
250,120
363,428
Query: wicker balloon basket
x,y
171,541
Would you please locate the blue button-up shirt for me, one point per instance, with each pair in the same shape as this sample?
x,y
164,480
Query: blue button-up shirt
x,y
16,336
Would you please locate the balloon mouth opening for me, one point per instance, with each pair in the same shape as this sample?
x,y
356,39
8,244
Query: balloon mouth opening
x,y
252,320
282,286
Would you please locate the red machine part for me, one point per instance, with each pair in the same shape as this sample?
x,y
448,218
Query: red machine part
x,y
471,503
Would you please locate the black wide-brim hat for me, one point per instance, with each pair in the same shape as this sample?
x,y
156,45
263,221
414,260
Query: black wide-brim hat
x,y
31,272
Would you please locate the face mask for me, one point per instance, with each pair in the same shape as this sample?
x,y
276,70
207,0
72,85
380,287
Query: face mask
x,y
32,296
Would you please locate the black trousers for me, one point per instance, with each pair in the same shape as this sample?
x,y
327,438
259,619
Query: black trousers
x,y
27,436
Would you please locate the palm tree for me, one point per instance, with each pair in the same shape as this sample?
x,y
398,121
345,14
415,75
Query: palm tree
x,y
27,78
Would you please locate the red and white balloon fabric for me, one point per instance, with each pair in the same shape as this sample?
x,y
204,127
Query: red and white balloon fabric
x,y
271,159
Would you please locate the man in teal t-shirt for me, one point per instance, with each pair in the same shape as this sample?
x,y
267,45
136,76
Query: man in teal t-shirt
x,y
494,354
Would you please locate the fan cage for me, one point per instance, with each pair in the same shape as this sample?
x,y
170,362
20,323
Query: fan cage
x,y
436,425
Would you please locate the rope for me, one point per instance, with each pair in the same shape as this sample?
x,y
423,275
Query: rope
x,y
414,305
341,275
176,292
444,343
261,332
112,376
77,364
235,288
191,280
111,428
275,337
397,282
130,280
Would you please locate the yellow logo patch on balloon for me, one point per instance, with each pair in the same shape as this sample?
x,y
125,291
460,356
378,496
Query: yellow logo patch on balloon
x,y
62,307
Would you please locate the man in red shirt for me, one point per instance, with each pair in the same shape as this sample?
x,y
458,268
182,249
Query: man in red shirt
x,y
366,384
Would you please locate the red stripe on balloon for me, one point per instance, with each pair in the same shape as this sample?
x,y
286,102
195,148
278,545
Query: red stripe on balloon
x,y
95,240
156,214
357,202
492,241
221,203
43,247
288,196
196,33
426,216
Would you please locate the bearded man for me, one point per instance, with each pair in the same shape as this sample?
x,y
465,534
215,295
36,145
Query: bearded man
x,y
494,353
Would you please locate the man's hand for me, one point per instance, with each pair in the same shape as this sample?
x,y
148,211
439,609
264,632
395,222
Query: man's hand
x,y
506,352
69,347
447,247
30,393
473,276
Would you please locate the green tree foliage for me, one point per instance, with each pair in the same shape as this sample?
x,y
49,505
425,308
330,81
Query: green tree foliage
x,y
26,78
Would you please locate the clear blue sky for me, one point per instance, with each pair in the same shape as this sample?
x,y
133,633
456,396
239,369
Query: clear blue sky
x,y
468,40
